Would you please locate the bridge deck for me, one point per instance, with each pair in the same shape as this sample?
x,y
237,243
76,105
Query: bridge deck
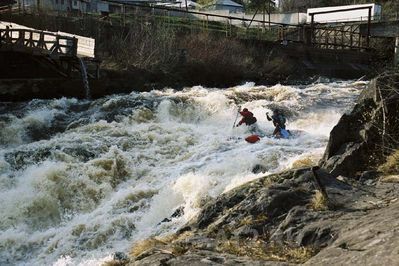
x,y
16,37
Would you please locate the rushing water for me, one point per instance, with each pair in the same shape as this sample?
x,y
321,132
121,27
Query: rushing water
x,y
82,179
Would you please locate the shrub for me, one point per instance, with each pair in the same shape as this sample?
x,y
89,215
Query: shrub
x,y
391,166
319,202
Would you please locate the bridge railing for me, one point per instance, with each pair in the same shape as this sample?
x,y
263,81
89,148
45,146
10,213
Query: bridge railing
x,y
38,42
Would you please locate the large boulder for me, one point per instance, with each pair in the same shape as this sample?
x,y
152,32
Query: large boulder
x,y
362,138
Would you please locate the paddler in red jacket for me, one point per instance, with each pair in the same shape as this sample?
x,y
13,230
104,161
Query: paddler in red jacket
x,y
249,119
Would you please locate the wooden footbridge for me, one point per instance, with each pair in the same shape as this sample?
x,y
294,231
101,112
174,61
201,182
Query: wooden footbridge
x,y
62,52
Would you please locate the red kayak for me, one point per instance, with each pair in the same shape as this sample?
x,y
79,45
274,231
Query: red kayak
x,y
252,139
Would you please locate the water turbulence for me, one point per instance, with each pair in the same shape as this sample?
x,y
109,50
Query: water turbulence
x,y
82,179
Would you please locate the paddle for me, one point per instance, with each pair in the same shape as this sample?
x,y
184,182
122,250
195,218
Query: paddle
x,y
239,108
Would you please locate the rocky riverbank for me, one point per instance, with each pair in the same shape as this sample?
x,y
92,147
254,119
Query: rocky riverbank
x,y
282,219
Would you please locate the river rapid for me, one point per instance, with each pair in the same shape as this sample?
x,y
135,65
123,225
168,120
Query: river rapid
x,y
81,179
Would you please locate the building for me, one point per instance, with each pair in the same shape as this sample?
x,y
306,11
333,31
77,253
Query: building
x,y
298,5
344,16
228,5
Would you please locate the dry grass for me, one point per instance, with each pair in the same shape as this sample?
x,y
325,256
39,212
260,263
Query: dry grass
x,y
390,179
304,162
250,220
145,245
391,166
170,243
319,202
263,251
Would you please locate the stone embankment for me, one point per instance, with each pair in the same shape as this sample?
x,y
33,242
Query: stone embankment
x,y
282,219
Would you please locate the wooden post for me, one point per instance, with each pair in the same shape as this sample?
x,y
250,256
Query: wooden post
x,y
123,15
227,25
269,13
343,37
75,47
396,58
368,28
327,38
312,29
264,13
230,22
351,36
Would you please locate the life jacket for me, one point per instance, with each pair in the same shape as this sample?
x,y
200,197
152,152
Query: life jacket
x,y
279,120
248,118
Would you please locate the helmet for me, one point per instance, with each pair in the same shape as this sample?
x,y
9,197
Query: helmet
x,y
245,110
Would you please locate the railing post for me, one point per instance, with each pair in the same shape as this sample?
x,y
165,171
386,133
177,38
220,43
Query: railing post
x,y
312,29
21,37
41,44
74,46
396,59
368,29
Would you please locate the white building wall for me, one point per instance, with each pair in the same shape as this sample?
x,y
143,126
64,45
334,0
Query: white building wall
x,y
289,18
344,16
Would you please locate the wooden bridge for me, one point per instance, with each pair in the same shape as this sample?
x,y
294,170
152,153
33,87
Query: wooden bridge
x,y
57,54
38,43
15,37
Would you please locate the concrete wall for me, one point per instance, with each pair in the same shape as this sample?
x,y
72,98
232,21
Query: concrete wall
x,y
231,9
289,18
354,15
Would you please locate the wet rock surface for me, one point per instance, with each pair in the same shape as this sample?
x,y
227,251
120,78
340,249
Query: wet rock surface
x,y
362,222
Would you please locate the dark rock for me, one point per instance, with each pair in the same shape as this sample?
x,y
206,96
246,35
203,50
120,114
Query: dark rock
x,y
315,236
177,213
372,174
183,229
213,209
291,227
120,256
259,169
360,139
154,259
283,201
